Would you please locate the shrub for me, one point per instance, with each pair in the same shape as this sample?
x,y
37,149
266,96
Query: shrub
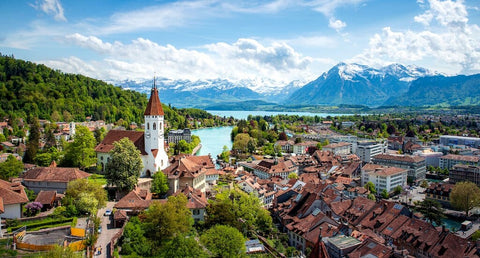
x,y
33,208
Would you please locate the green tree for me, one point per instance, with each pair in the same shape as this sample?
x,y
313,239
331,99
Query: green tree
x,y
371,196
224,241
293,176
81,152
10,168
371,187
159,183
240,210
83,188
424,184
465,196
164,221
398,189
431,210
87,203
385,194
33,142
133,240
182,246
241,142
124,166
225,155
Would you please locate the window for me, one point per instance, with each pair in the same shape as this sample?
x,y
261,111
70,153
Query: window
x,y
154,126
148,126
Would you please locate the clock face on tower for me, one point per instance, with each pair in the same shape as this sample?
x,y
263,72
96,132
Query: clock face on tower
x,y
147,134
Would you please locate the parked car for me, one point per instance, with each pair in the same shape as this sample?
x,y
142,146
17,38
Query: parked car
x,y
99,229
108,212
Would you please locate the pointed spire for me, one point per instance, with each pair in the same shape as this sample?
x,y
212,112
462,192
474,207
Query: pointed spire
x,y
154,106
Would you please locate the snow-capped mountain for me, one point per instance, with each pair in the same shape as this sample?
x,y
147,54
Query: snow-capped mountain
x,y
357,84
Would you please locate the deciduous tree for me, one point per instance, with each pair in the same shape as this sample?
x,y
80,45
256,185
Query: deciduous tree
x,y
10,168
159,183
182,246
465,196
81,152
371,187
164,221
83,188
224,241
124,166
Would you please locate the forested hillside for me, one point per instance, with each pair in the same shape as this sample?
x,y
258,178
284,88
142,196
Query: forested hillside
x,y
28,89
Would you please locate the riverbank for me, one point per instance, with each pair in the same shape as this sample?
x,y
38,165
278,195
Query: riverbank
x,y
197,148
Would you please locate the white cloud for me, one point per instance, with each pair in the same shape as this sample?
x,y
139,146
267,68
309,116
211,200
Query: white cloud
x,y
448,38
138,60
51,7
335,24
328,7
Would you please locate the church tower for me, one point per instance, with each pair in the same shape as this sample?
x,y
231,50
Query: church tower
x,y
154,134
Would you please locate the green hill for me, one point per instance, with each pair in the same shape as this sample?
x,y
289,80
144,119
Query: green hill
x,y
29,89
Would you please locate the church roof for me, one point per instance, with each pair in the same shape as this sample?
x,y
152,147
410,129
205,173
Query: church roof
x,y
116,135
154,106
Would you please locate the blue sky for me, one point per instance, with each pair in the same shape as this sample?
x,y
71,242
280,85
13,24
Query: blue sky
x,y
270,42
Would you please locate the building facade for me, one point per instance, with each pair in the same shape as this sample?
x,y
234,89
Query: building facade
x,y
367,150
176,136
341,148
460,173
450,160
449,140
384,178
415,165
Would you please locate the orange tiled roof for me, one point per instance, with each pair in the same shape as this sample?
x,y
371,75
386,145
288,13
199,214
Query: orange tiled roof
x,y
116,135
46,197
154,106
12,193
54,174
134,200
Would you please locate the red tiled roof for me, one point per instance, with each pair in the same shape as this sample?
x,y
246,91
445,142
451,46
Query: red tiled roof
x,y
12,193
404,158
120,215
154,106
188,166
2,209
46,197
116,135
461,157
372,248
196,199
54,174
134,200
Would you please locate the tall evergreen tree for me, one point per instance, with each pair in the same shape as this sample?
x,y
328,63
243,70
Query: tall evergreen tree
x,y
33,141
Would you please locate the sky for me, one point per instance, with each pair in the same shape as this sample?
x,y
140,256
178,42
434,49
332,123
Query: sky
x,y
269,42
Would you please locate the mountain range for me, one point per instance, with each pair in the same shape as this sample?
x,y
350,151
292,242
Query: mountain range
x,y
343,84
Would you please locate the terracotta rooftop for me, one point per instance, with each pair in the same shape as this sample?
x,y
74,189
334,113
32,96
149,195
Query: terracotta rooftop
x,y
462,158
134,200
404,158
54,174
46,197
188,166
154,106
116,135
196,199
371,248
337,145
2,209
12,193
120,215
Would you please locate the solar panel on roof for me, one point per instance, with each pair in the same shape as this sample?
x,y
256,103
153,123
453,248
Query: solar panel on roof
x,y
398,206
316,211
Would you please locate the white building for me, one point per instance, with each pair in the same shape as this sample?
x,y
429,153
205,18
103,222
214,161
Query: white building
x,y
150,143
367,150
341,148
384,178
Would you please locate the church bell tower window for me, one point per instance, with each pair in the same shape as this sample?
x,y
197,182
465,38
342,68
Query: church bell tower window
x,y
154,126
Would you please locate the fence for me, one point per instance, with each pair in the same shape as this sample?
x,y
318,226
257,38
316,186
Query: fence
x,y
78,232
77,245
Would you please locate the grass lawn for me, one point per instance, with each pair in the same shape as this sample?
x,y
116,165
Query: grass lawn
x,y
97,178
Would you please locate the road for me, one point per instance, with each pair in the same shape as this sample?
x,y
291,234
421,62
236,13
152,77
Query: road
x,y
108,231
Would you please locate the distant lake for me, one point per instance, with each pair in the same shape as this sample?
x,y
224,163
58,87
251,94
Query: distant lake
x,y
240,114
213,140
